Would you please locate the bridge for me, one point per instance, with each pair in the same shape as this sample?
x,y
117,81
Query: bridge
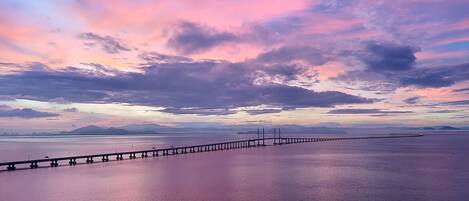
x,y
227,145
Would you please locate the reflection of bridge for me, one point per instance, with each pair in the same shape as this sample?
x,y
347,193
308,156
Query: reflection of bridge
x,y
260,141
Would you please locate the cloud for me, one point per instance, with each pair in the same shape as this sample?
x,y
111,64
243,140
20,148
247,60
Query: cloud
x,y
384,57
198,111
461,102
157,58
385,64
287,54
443,111
366,111
436,77
10,65
201,86
195,38
461,90
367,81
73,109
286,71
109,44
25,113
412,100
263,111
423,77
4,107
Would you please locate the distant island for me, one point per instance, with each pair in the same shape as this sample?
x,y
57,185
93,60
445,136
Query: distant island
x,y
248,129
439,128
96,130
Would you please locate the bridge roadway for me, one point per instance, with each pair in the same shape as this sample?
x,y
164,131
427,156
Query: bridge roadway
x,y
72,160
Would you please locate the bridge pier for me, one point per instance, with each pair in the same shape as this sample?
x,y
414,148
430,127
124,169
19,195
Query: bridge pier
x,y
33,165
11,167
54,163
105,158
73,161
89,159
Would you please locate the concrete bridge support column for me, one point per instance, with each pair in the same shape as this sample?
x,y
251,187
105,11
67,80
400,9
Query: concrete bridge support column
x,y
34,164
54,163
11,167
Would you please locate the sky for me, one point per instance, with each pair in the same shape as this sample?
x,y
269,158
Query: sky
x,y
72,63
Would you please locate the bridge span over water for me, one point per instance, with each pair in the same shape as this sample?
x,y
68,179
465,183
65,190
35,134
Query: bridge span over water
x,y
227,145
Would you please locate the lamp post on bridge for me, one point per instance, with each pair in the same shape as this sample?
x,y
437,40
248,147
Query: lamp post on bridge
x,y
275,132
263,137
258,136
279,137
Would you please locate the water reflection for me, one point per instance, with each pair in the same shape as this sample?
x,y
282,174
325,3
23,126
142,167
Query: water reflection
x,y
428,168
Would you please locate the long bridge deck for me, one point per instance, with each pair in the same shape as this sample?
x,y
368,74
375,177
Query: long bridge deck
x,y
72,160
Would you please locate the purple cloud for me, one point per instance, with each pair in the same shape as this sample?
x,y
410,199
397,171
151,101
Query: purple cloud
x,y
461,90
383,57
73,109
198,111
202,86
287,54
461,102
109,44
365,111
25,113
195,38
444,111
436,77
263,111
412,100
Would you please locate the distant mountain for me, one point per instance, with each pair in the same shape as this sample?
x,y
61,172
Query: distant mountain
x,y
96,130
436,128
247,132
240,129
145,128
448,128
156,128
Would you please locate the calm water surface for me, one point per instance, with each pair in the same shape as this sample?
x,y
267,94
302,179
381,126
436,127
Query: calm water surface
x,y
433,167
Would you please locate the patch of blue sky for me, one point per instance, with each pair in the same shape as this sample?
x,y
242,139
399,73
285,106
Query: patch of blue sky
x,y
39,10
451,34
455,46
